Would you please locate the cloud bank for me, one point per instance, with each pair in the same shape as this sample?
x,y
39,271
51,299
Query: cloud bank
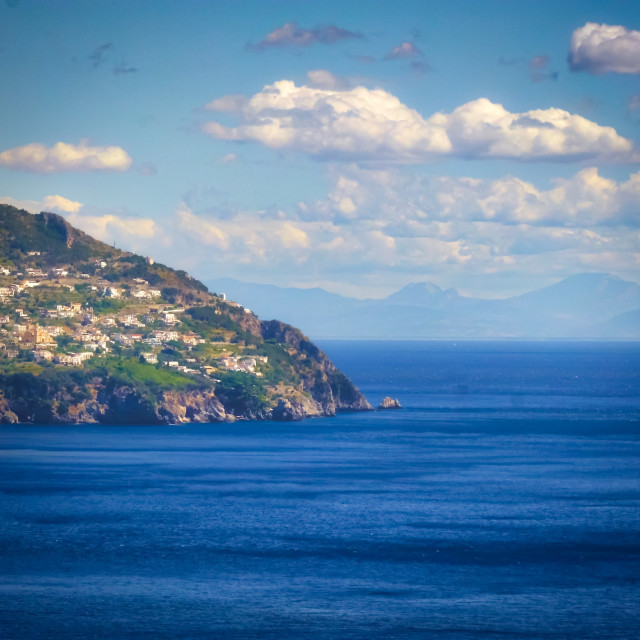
x,y
65,157
386,223
604,48
373,125
587,199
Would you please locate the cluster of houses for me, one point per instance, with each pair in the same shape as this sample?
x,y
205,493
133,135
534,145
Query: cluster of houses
x,y
89,334
246,364
32,277
99,334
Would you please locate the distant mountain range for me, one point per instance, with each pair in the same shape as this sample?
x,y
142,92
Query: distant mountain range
x,y
589,305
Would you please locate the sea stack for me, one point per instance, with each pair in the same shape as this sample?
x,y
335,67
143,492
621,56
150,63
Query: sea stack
x,y
389,403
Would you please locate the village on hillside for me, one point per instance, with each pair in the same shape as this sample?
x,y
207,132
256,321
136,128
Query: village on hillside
x,y
65,318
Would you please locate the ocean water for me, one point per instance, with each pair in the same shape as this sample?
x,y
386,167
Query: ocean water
x,y
502,501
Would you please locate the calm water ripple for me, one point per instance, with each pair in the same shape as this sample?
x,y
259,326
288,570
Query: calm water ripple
x,y
502,502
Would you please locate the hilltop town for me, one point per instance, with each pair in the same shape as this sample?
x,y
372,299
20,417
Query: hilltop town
x,y
91,333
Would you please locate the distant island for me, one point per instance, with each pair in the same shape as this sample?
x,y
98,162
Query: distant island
x,y
584,306
92,334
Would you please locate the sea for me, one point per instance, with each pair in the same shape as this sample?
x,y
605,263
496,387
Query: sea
x,y
501,502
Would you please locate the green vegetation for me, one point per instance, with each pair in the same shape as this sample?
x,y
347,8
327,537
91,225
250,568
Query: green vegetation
x,y
242,393
128,370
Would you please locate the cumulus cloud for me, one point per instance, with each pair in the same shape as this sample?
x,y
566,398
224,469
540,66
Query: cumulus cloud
x,y
388,224
206,232
108,226
290,35
404,50
603,48
56,204
247,236
587,199
65,157
372,124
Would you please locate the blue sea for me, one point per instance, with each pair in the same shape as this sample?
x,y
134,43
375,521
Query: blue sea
x,y
502,501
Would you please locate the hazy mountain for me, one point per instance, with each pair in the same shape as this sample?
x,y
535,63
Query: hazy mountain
x,y
590,305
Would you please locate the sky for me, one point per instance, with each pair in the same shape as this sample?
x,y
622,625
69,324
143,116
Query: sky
x,y
487,145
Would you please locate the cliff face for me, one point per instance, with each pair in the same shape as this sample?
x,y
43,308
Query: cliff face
x,y
328,386
105,404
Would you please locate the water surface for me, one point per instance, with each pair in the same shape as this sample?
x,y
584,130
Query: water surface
x,y
503,501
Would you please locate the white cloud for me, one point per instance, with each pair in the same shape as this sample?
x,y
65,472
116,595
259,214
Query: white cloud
x,y
65,157
292,237
56,204
109,226
246,237
53,203
585,200
381,226
206,232
604,48
372,124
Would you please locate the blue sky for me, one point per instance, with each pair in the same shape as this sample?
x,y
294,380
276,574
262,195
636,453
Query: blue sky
x,y
360,146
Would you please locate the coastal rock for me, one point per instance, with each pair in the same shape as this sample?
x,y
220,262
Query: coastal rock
x,y
6,415
297,408
389,403
194,406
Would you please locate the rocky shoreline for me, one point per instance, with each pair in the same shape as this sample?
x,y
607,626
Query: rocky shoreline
x,y
322,391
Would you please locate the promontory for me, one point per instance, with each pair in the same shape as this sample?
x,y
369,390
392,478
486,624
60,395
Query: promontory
x,y
93,334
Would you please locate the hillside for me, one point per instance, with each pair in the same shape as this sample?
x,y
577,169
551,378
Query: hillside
x,y
89,333
588,306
